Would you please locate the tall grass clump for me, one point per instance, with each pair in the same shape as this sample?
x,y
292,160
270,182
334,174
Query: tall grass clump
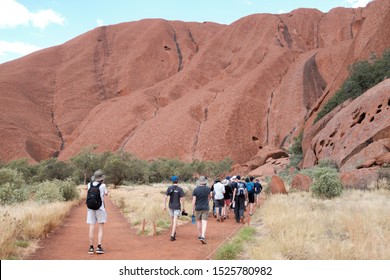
x,y
301,227
22,226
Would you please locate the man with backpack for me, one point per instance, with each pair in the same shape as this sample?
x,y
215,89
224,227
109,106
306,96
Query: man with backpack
x,y
258,189
96,211
239,198
176,202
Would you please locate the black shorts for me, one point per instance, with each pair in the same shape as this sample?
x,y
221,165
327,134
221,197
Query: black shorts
x,y
251,197
219,203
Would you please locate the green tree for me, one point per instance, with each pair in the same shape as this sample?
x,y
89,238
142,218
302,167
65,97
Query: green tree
x,y
53,168
22,166
116,170
87,162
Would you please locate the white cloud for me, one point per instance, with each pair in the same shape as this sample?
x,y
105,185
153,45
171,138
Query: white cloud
x,y
19,48
99,22
358,3
13,14
44,17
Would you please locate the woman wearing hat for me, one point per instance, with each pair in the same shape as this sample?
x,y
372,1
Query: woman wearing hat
x,y
97,216
200,206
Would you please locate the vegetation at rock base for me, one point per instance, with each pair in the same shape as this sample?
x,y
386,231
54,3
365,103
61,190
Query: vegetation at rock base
x,y
363,76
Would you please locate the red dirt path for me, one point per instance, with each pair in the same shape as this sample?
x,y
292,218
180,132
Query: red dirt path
x,y
120,241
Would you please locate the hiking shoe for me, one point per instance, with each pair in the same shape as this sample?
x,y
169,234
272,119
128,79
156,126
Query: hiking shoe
x,y
203,240
241,220
173,238
100,250
91,250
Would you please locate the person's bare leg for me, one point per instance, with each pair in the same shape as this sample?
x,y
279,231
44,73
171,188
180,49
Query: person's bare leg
x,y
91,232
199,227
100,233
174,225
204,227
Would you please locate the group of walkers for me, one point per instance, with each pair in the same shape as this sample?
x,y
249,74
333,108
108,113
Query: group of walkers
x,y
232,193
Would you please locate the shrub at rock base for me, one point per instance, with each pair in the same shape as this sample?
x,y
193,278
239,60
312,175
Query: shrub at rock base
x,y
11,186
327,185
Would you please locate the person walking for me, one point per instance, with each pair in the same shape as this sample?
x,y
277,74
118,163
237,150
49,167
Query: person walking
x,y
176,204
227,196
258,189
97,215
239,198
218,195
250,187
200,206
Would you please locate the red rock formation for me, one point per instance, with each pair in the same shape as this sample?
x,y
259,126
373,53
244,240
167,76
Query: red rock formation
x,y
301,182
355,133
360,178
277,185
159,88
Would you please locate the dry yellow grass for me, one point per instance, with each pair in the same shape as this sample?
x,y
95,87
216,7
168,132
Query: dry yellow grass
x,y
143,206
23,224
355,226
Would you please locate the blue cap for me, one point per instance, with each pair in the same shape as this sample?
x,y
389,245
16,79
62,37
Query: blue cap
x,y
228,177
175,178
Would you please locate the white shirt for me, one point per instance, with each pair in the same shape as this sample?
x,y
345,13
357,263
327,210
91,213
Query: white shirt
x,y
219,190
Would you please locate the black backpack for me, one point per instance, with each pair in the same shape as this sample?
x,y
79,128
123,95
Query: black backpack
x,y
94,200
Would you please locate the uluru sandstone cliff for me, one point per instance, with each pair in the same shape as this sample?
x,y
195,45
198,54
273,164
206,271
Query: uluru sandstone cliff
x,y
190,90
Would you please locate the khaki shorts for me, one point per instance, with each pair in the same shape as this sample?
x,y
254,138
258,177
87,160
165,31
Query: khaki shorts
x,y
202,215
96,216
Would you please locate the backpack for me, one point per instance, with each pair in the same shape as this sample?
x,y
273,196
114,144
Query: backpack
x,y
94,200
250,187
241,190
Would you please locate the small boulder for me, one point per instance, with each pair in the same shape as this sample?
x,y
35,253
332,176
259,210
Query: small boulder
x,y
277,185
301,182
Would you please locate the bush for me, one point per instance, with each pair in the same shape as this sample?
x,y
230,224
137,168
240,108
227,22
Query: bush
x,y
384,173
328,163
295,151
52,169
327,185
49,191
11,187
22,166
68,189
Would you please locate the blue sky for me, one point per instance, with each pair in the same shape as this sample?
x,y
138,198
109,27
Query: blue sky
x,y
30,25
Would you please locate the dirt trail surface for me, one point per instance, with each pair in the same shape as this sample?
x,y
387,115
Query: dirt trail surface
x,y
70,240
